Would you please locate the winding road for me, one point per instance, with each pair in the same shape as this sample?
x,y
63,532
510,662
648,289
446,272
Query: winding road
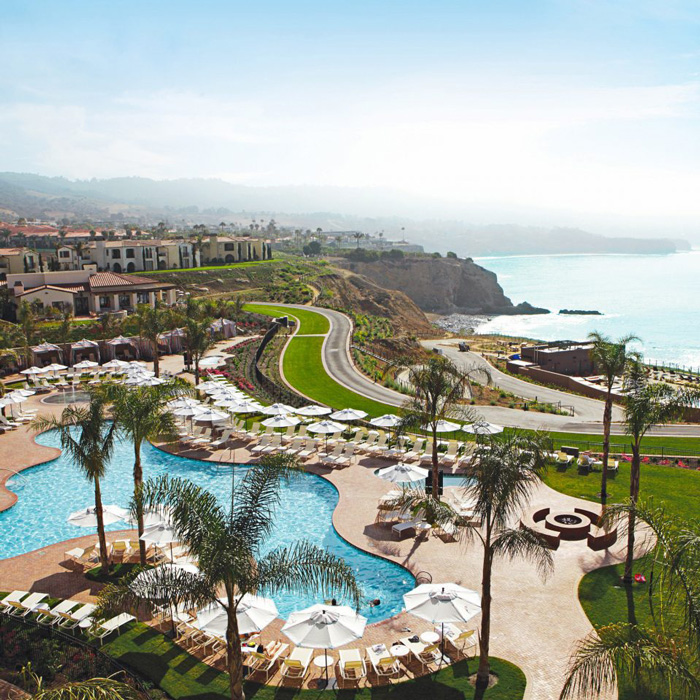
x,y
337,362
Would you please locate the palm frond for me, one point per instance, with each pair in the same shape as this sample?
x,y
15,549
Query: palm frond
x,y
92,689
304,567
526,544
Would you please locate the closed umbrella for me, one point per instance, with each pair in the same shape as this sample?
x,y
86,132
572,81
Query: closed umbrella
x,y
312,411
282,421
325,627
439,603
87,517
253,614
277,409
402,473
349,414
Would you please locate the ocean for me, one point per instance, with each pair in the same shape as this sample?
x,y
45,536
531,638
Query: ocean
x,y
655,297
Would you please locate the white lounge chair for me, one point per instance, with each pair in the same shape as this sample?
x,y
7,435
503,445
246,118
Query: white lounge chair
x,y
296,665
7,602
266,661
383,663
106,627
50,616
26,605
351,664
463,641
73,618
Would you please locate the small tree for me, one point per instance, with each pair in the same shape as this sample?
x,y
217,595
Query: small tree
x,y
28,323
89,439
611,359
198,339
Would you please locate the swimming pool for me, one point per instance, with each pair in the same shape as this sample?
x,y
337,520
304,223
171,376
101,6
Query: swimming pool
x,y
48,493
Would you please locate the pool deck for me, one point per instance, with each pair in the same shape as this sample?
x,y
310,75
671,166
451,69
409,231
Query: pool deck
x,y
535,624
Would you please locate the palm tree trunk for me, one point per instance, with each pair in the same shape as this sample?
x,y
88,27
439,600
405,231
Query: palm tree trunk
x,y
234,656
435,469
156,359
634,496
101,537
138,483
196,370
483,673
607,420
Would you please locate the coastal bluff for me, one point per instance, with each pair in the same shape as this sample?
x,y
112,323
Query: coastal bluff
x,y
442,285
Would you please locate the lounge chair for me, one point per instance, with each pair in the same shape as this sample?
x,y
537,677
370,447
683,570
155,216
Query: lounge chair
x,y
379,447
345,458
427,455
83,555
613,465
73,618
222,441
416,451
289,434
120,549
427,655
296,665
275,445
326,458
309,450
295,447
266,661
265,440
371,439
254,432
463,641
351,664
450,457
50,616
383,663
103,629
563,458
27,605
7,602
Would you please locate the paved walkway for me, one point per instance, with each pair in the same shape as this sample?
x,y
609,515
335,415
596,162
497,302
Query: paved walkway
x,y
535,624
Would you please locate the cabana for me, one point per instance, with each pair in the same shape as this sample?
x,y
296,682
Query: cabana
x,y
223,327
173,339
46,354
124,348
85,350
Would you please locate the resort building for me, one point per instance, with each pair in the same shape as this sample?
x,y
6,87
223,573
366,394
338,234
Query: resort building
x,y
87,291
17,260
573,359
222,250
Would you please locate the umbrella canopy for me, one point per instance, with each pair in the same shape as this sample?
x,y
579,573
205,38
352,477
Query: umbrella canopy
x,y
159,515
15,397
277,409
349,414
145,381
153,583
281,422
442,602
403,473
245,406
324,626
483,428
388,420
23,392
189,411
87,517
327,427
184,402
160,535
86,364
443,426
34,370
312,410
253,614
54,367
115,364
209,415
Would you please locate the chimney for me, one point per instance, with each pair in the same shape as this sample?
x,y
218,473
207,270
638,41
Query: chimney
x,y
18,289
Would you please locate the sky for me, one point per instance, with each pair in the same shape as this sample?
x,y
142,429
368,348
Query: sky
x,y
581,110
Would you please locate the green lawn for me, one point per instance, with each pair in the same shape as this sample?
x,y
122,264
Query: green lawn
x,y
650,444
678,489
310,322
303,369
182,677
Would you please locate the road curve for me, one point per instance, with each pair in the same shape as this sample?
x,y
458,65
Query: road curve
x,y
337,362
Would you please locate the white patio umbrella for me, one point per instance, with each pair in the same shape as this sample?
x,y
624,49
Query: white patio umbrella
x,y
54,367
312,410
348,414
33,370
115,364
86,364
23,392
326,427
402,473
184,402
189,411
281,421
160,536
388,420
17,396
277,409
87,517
11,399
209,415
158,515
324,627
483,428
439,603
443,426
147,381
253,614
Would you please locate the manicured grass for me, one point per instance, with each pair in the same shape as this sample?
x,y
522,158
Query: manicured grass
x,y
182,677
303,369
677,489
251,263
115,573
650,444
310,322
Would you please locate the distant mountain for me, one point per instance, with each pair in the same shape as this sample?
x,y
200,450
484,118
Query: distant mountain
x,y
140,200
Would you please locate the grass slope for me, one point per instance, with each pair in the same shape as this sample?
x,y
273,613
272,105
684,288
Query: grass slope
x,y
310,322
183,677
650,444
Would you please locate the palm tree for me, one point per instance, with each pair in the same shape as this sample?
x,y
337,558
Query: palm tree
x,y
611,359
66,326
89,439
27,321
663,653
228,543
140,414
647,405
440,387
197,340
151,322
500,478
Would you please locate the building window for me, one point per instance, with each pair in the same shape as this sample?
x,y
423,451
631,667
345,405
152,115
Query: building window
x,y
228,246
116,253
142,298
64,253
148,252
129,252
125,301
105,302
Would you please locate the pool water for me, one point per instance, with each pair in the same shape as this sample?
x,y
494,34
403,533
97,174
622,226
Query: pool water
x,y
48,493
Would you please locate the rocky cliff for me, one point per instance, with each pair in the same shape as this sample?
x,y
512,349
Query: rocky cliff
x,y
441,285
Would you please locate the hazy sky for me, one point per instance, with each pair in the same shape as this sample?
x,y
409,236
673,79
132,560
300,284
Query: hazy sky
x,y
587,106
